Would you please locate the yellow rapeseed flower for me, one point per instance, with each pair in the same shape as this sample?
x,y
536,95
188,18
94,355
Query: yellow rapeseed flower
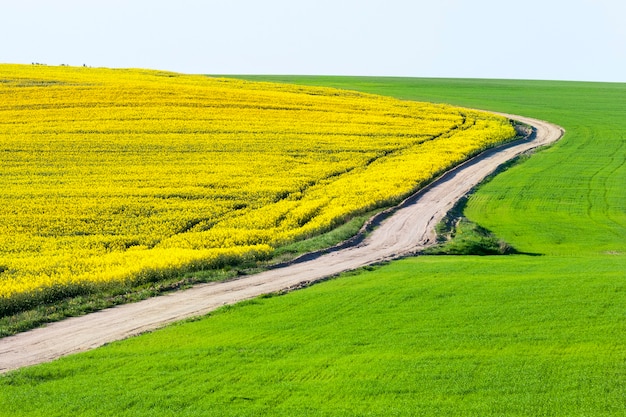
x,y
116,175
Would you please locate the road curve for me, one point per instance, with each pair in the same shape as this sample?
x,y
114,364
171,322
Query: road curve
x,y
407,230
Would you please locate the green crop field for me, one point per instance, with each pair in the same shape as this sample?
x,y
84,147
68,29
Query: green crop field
x,y
427,336
517,335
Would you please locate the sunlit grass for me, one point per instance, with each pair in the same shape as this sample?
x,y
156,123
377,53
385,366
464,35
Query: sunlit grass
x,y
444,336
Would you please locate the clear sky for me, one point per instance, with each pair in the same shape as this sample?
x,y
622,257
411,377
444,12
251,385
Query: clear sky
x,y
581,40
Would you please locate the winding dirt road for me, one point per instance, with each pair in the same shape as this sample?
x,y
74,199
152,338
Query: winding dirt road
x,y
407,230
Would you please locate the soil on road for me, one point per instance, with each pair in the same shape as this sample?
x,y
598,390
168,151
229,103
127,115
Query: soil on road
x,y
406,231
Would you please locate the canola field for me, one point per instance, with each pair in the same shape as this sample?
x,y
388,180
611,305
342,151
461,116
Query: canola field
x,y
130,175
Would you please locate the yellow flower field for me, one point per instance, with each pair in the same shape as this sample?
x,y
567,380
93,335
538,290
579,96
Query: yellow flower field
x,y
116,175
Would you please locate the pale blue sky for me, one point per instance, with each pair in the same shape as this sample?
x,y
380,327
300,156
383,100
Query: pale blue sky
x,y
532,39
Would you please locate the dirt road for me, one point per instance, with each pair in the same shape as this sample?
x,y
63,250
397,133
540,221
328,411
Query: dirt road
x,y
409,229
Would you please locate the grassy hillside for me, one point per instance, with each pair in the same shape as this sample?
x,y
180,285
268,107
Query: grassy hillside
x,y
433,336
425,336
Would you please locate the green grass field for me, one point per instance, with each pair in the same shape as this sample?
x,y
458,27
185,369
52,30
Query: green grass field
x,y
511,335
437,336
